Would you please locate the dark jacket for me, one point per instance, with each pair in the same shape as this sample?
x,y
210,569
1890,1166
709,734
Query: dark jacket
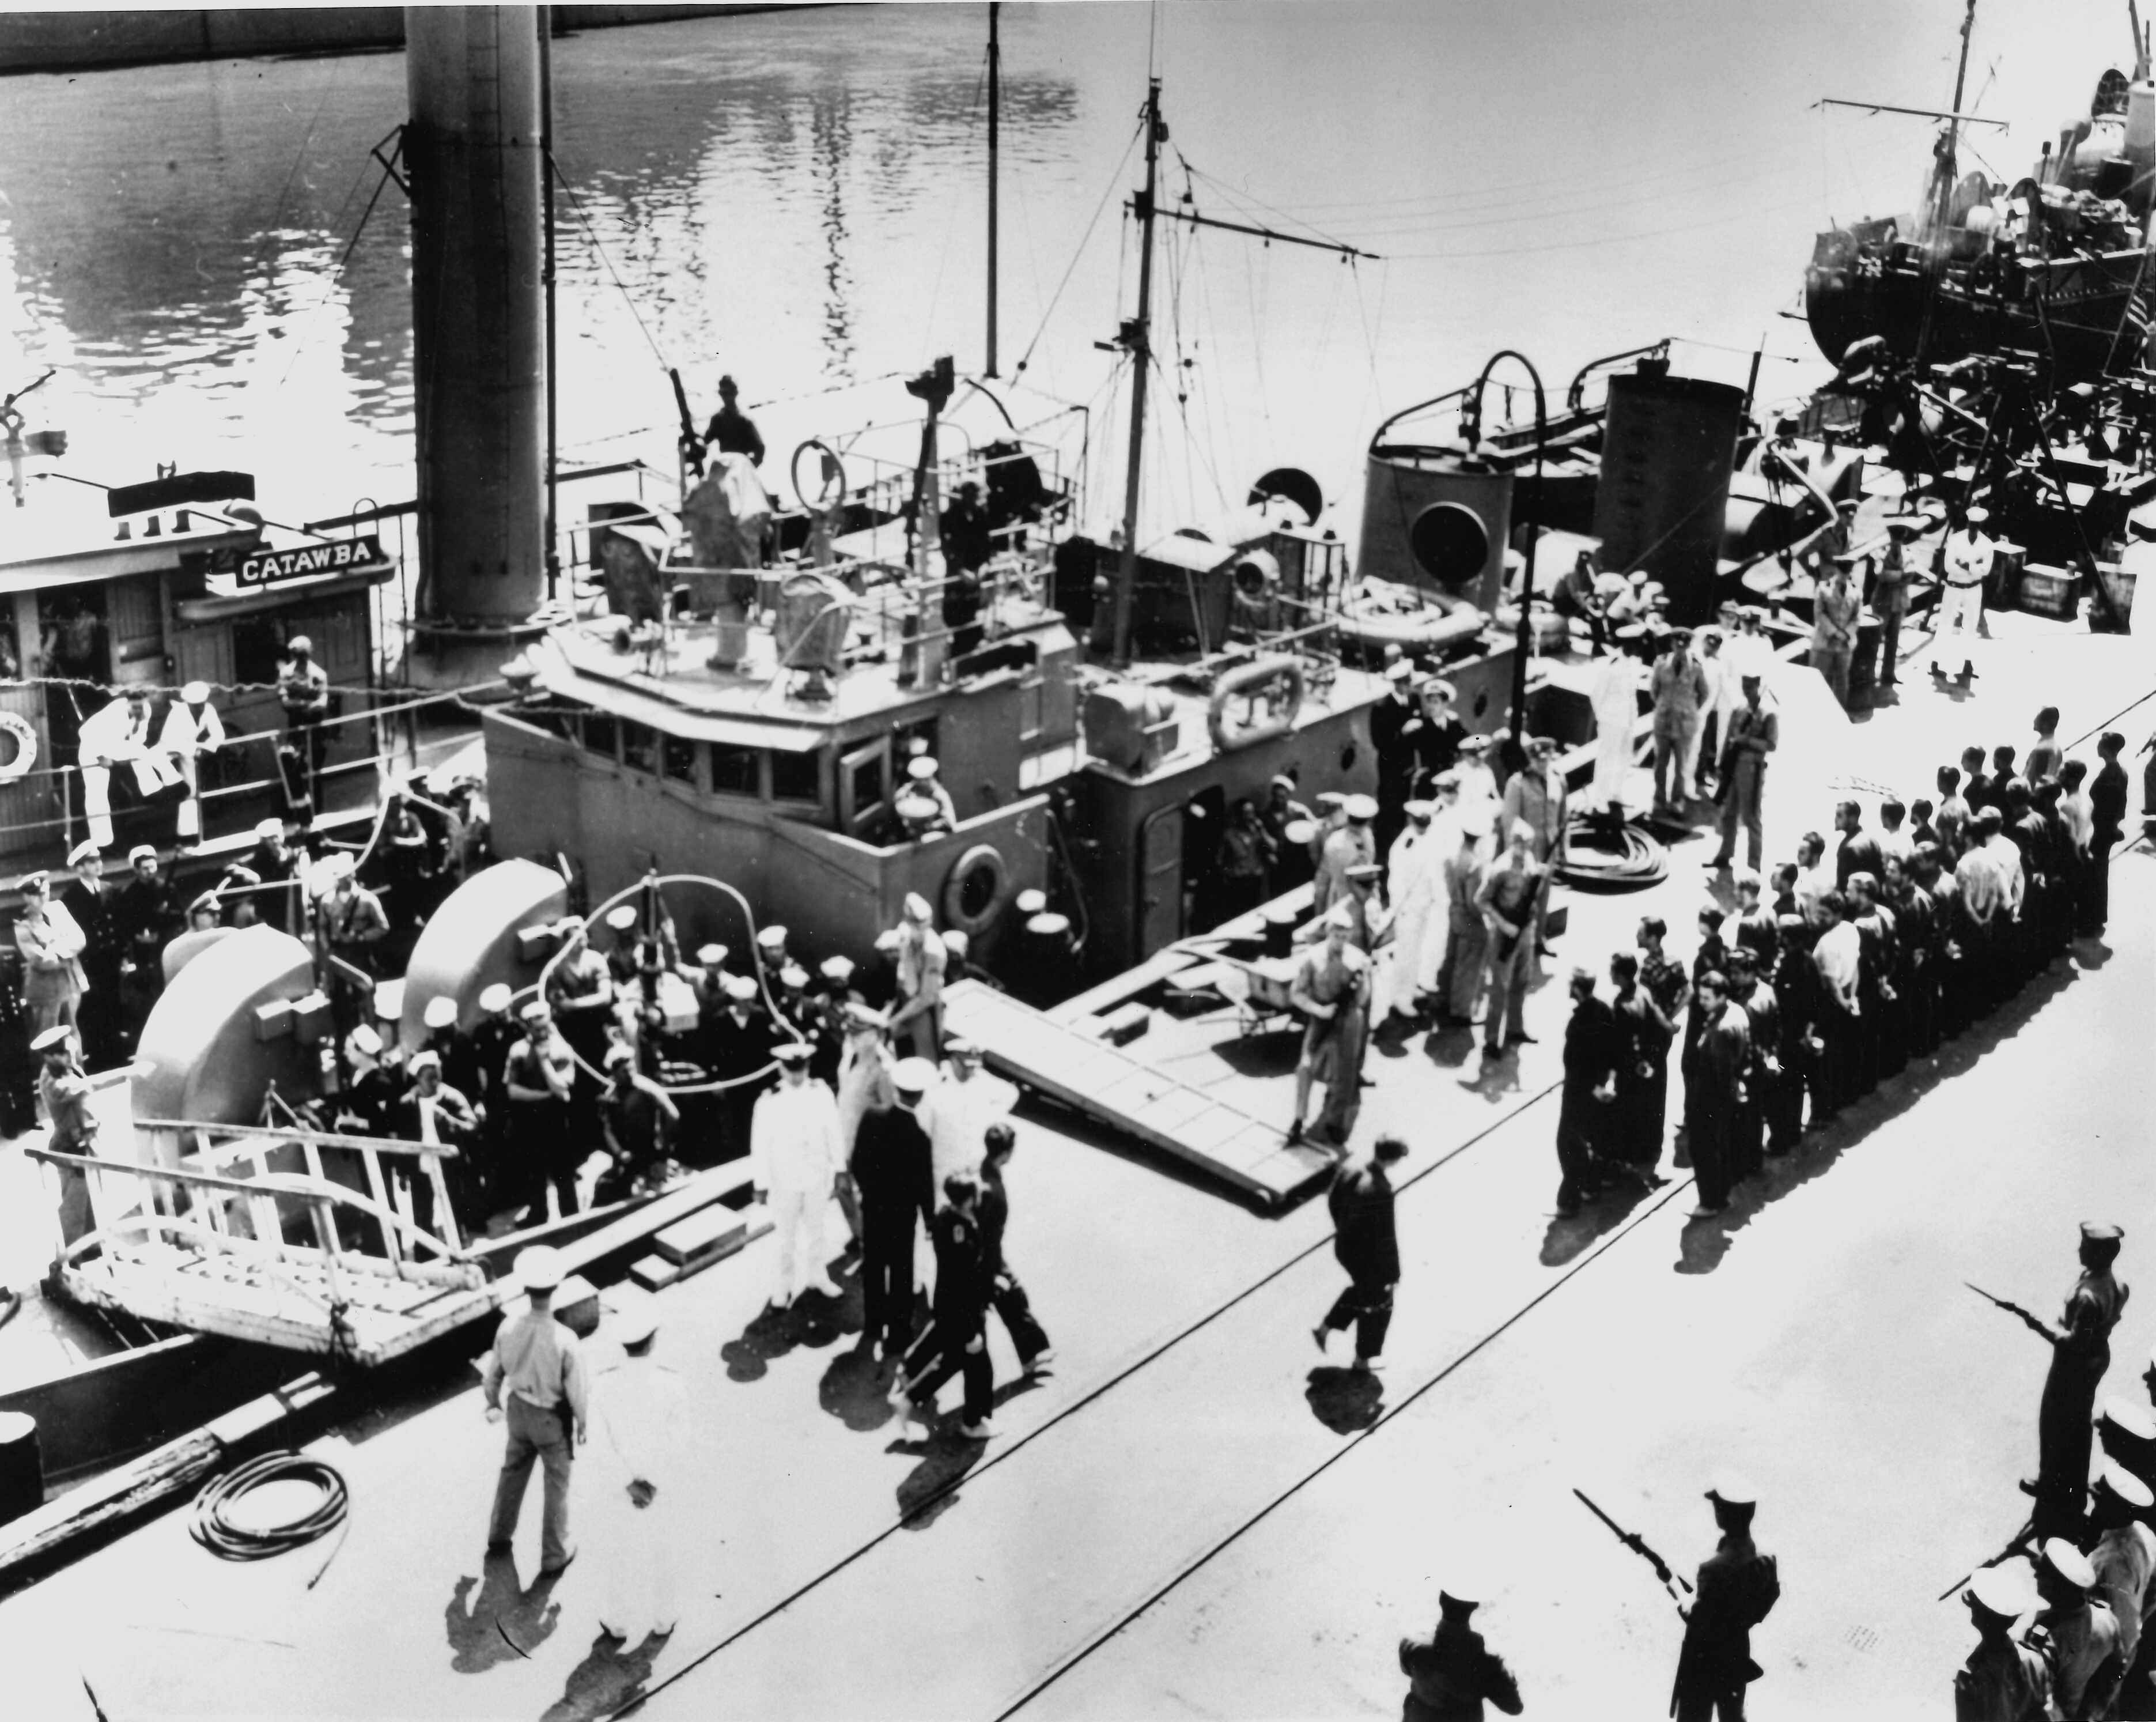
x,y
893,1169
1739,1587
1365,1240
1452,1675
104,943
963,1273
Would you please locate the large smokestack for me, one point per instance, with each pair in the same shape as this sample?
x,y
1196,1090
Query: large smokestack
x,y
472,149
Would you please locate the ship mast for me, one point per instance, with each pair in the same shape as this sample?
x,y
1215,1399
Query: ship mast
x,y
995,104
1945,173
1137,340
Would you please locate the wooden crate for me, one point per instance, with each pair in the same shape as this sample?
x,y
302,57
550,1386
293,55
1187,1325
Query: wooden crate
x,y
2047,591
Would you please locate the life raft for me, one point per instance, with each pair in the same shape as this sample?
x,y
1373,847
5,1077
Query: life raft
x,y
983,859
25,755
1244,684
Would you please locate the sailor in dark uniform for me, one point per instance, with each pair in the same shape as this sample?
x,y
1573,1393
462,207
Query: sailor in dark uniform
x,y
1587,1115
1738,1588
2081,1352
95,907
731,431
740,1043
1451,1674
1396,726
893,1174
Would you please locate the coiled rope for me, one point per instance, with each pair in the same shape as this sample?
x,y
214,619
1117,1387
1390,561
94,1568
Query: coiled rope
x,y
221,1536
1643,861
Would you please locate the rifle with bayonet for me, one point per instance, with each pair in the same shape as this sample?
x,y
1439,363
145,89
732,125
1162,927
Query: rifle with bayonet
x,y
1638,1544
2037,1324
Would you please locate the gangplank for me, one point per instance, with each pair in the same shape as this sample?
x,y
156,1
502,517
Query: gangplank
x,y
285,1236
1126,1094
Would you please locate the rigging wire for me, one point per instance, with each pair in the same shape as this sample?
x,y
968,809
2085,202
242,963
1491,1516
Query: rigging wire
x,y
1624,238
1080,252
576,206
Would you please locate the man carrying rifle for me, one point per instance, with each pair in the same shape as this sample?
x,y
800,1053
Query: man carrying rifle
x,y
1451,1674
2081,1352
1739,1587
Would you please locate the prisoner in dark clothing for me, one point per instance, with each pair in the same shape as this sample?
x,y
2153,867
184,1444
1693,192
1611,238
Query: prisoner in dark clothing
x,y
1587,1114
1365,1241
1644,1032
956,1341
1006,1295
1718,1051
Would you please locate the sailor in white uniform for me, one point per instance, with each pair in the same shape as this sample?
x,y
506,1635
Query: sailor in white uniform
x,y
1413,882
795,1158
191,728
118,734
1969,555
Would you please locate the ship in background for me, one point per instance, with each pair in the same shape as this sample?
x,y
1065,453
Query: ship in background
x,y
2056,265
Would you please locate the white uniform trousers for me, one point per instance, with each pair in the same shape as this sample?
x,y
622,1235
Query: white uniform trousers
x,y
797,1216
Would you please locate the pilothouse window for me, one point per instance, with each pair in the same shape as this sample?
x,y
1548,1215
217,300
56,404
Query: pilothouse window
x,y
679,754
734,770
639,747
794,777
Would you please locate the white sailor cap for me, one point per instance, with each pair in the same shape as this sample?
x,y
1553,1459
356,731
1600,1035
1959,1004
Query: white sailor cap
x,y
53,1039
740,987
793,975
441,1011
195,693
1729,1489
791,1052
622,917
917,909
495,997
1360,807
540,1269
1400,670
2124,1484
2069,1563
711,955
771,937
363,1042
427,1060
1420,811
141,851
633,1326
913,1076
921,768
264,830
87,850
535,1010
887,940
838,968
2000,1590
956,942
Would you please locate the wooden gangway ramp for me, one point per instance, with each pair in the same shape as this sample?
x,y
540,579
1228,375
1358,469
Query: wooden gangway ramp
x,y
1122,1091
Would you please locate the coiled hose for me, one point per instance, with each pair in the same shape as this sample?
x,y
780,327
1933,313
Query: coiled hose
x,y
218,1534
1588,865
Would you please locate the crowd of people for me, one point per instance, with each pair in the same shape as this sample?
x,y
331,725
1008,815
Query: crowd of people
x,y
833,1098
1834,971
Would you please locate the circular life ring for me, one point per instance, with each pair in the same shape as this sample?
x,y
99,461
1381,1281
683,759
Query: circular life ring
x,y
977,889
1255,581
1245,682
25,755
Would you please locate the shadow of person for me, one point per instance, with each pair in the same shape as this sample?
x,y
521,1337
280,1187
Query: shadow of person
x,y
812,1321
504,1622
1270,1053
610,1676
1496,1076
1345,1401
1449,1044
1599,1217
855,1389
931,1489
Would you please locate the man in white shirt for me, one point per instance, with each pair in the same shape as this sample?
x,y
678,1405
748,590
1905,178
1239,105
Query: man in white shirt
x,y
116,733
1814,874
794,1159
1615,698
535,1376
1712,724
1839,957
957,1111
1413,887
1968,562
192,729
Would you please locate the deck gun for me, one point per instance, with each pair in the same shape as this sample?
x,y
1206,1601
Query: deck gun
x,y
691,445
1638,1544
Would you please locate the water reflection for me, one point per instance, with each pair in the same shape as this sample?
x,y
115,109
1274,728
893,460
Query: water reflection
x,y
175,238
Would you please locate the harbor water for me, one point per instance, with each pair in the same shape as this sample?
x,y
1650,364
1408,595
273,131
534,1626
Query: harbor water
x,y
798,198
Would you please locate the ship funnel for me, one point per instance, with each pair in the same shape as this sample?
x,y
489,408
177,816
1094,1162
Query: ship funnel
x,y
1438,520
